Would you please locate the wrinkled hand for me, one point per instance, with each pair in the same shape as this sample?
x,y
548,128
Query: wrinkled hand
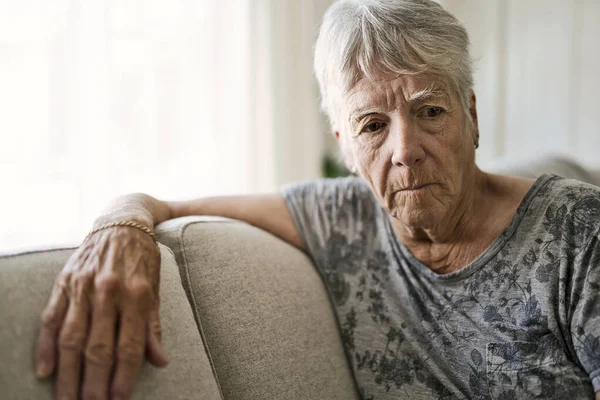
x,y
102,317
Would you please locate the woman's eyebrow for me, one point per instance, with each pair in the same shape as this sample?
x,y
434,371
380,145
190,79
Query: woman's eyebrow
x,y
433,92
357,115
420,96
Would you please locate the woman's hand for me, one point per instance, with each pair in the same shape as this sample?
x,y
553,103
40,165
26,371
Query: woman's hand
x,y
102,317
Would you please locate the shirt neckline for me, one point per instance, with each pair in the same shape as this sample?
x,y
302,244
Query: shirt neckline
x,y
401,251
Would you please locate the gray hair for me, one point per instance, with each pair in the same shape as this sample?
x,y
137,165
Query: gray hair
x,y
363,38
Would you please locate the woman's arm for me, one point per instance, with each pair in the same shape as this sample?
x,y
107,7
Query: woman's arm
x,y
112,281
268,212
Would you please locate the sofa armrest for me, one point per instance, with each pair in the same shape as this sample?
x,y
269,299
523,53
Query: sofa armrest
x,y
263,311
25,283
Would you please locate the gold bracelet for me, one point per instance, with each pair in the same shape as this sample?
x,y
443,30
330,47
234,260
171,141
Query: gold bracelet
x,y
131,224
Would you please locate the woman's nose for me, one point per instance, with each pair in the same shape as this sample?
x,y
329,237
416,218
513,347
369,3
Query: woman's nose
x,y
407,147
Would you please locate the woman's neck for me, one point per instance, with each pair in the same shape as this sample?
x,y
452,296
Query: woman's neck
x,y
485,209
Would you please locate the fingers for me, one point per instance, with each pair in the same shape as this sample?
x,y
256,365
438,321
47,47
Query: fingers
x,y
52,319
131,342
154,349
71,342
100,346
73,326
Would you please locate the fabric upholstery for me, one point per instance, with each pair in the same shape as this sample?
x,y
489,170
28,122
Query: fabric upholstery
x,y
595,176
263,311
558,165
25,284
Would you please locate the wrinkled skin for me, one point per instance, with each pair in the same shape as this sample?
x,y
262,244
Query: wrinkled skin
x,y
110,280
411,140
398,134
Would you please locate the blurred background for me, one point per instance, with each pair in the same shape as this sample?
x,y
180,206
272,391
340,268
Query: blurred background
x,y
188,98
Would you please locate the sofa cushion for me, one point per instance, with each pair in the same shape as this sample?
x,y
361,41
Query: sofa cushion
x,y
263,311
25,283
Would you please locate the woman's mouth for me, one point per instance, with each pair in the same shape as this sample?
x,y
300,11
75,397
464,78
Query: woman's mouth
x,y
415,188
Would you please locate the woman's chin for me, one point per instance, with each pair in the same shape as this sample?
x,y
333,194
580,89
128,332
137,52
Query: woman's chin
x,y
421,213
416,209
416,217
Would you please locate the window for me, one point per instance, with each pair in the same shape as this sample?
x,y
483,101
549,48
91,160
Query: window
x,y
177,99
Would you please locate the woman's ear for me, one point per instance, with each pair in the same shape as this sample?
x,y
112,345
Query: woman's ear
x,y
473,114
346,153
336,135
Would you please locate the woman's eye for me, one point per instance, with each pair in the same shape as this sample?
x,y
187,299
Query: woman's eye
x,y
432,112
373,127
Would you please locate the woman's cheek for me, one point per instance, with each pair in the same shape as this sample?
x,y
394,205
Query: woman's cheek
x,y
370,145
433,127
367,156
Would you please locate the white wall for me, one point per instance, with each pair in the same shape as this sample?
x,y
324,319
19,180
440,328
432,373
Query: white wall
x,y
537,76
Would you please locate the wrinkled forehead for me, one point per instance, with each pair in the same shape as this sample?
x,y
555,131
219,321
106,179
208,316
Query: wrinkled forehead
x,y
390,91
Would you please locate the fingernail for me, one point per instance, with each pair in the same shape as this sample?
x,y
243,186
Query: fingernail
x,y
42,370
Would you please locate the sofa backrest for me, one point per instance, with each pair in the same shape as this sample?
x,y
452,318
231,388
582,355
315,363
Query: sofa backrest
x,y
263,312
559,165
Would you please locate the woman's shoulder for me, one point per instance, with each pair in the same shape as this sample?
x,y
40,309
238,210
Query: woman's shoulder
x,y
570,192
338,189
568,207
339,205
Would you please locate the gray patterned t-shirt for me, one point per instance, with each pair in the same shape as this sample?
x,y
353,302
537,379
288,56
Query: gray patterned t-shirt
x,y
522,321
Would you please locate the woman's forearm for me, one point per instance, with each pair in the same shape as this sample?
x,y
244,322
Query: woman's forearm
x,y
137,207
265,211
268,212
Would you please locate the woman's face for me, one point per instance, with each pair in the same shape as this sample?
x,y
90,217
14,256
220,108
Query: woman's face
x,y
408,138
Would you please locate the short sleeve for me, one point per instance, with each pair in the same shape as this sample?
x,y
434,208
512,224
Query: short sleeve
x,y
585,306
337,220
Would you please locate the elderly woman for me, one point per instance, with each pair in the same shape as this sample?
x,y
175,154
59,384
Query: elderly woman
x,y
448,282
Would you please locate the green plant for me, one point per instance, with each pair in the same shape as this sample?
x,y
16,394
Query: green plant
x,y
332,167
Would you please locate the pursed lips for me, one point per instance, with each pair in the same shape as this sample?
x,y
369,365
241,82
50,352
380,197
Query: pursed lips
x,y
414,188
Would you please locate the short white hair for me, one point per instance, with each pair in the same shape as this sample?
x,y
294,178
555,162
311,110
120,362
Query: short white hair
x,y
363,38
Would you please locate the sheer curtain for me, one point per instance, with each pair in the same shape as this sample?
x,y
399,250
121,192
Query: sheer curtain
x,y
177,99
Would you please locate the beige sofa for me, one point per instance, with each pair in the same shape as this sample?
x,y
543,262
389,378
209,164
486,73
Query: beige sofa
x,y
245,315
